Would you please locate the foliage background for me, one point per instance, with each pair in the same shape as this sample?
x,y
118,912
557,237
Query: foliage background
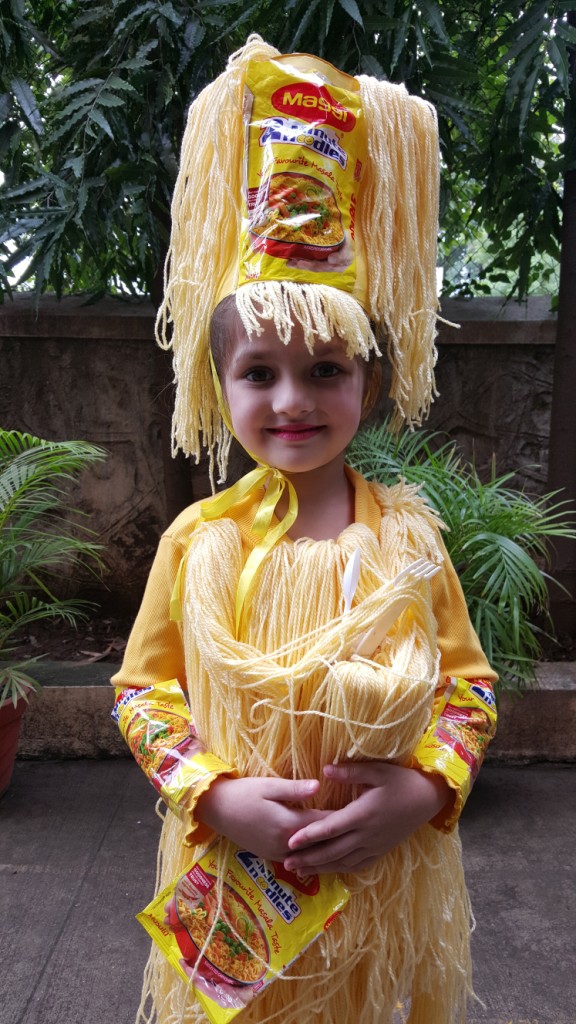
x,y
93,97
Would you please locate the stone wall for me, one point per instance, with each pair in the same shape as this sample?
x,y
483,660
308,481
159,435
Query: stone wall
x,y
90,372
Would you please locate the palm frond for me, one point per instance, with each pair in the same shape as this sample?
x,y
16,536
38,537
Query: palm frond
x,y
41,540
497,538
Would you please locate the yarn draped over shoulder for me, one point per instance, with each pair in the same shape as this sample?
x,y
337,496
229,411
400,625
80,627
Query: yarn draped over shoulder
x,y
278,701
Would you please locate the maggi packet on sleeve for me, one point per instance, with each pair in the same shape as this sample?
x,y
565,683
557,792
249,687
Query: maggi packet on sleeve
x,y
232,923
156,723
456,739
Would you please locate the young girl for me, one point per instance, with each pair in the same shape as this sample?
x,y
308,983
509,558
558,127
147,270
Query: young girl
x,y
315,756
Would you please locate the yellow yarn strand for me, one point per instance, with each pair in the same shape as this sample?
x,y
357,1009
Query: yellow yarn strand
x,y
281,700
399,223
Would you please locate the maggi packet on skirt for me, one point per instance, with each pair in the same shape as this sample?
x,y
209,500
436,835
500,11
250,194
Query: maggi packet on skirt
x,y
232,923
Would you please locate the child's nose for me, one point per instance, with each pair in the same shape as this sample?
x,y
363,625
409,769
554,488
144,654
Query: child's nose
x,y
292,398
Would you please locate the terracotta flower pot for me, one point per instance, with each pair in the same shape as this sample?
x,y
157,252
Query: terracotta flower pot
x,y
10,718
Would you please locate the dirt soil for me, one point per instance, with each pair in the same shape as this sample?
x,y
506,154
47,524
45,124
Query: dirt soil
x,y
100,639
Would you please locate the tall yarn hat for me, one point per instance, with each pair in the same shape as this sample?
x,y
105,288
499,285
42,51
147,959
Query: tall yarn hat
x,y
312,197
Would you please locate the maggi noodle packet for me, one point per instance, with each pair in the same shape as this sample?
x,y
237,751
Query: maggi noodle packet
x,y
304,160
156,723
456,739
233,923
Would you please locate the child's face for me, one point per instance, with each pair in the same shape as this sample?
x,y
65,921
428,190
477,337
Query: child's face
x,y
293,410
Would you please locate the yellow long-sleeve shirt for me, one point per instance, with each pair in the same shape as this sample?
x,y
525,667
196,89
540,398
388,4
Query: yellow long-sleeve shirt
x,y
455,741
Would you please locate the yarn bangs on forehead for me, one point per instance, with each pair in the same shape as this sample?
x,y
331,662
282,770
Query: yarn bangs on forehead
x,y
393,233
320,314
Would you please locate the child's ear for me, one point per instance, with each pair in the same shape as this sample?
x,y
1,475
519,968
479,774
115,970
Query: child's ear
x,y
372,387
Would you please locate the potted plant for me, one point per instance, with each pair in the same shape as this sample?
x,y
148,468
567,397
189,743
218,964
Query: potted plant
x,y
40,537
497,539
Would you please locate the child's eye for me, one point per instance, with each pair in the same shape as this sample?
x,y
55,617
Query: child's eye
x,y
326,370
258,375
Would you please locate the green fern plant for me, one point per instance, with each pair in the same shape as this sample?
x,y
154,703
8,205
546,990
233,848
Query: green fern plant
x,y
497,539
37,541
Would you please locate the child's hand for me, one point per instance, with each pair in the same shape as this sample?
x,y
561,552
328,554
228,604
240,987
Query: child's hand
x,y
259,814
394,803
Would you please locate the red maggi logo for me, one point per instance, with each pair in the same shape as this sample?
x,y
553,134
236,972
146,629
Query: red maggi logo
x,y
313,103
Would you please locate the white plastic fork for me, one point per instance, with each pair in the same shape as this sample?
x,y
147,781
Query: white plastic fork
x,y
421,569
350,579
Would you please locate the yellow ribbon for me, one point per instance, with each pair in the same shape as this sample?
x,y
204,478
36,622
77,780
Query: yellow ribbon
x,y
217,506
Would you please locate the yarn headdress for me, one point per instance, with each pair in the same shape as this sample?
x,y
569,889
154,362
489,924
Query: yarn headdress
x,y
356,244
312,197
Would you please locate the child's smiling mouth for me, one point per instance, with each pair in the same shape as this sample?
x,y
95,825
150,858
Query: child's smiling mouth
x,y
295,431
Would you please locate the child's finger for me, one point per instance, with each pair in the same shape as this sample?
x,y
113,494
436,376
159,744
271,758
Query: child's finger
x,y
367,773
342,851
290,791
331,826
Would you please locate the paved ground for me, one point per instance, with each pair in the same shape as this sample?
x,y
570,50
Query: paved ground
x,y
77,851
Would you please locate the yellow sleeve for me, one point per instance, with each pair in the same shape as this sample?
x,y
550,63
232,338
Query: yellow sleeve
x,y
150,707
460,650
463,719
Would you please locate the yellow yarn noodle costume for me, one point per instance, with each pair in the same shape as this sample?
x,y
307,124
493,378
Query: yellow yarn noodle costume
x,y
279,701
273,691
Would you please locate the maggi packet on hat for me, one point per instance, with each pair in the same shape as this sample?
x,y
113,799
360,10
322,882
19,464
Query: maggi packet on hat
x,y
304,159
232,923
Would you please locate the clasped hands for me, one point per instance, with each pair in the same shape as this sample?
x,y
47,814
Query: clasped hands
x,y
269,816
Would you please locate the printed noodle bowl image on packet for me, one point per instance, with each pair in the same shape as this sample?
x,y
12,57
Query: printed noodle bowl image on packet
x,y
232,923
304,156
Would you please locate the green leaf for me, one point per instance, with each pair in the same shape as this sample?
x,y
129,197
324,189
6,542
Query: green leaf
x,y
136,15
70,123
81,103
76,165
27,103
98,117
5,106
432,15
496,535
140,59
115,82
84,85
401,34
526,97
245,16
311,10
108,99
566,32
370,66
328,16
352,9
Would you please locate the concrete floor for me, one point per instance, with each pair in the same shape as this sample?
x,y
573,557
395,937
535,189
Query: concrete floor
x,y
77,861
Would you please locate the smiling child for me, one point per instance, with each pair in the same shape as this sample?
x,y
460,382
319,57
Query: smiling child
x,y
319,759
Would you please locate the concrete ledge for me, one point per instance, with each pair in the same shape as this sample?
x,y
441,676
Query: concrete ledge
x,y
70,718
540,725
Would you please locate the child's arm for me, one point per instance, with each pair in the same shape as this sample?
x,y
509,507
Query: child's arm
x,y
152,670
455,742
249,811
